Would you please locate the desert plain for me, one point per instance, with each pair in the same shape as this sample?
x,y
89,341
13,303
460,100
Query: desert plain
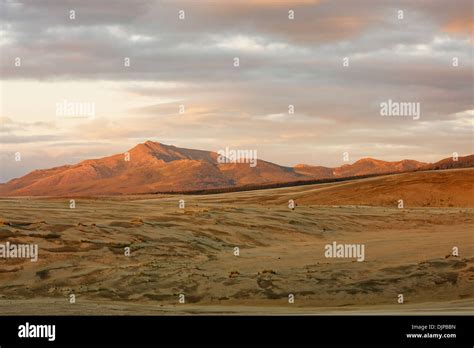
x,y
190,251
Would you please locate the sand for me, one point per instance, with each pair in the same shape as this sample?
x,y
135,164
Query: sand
x,y
190,251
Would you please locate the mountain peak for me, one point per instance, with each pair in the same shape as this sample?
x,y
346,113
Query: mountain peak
x,y
369,160
155,143
155,167
154,149
149,145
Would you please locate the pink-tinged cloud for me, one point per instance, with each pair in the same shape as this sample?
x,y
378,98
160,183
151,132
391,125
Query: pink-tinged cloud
x,y
461,26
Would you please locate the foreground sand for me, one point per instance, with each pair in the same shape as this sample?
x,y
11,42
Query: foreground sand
x,y
190,251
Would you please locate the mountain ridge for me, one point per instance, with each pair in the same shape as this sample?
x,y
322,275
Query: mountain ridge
x,y
156,167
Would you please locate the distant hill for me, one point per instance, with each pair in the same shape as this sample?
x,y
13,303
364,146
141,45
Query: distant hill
x,y
448,188
156,167
365,166
450,163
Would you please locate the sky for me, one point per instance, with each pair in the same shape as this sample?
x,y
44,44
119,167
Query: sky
x,y
335,62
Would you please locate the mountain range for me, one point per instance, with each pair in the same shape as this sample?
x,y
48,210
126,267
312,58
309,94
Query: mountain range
x,y
154,167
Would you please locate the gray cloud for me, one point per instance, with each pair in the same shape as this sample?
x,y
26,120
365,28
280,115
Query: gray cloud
x,y
283,62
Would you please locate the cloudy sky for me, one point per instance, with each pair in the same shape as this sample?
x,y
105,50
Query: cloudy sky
x,y
190,62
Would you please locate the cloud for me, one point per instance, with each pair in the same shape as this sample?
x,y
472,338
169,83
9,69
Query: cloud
x,y
462,26
283,61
